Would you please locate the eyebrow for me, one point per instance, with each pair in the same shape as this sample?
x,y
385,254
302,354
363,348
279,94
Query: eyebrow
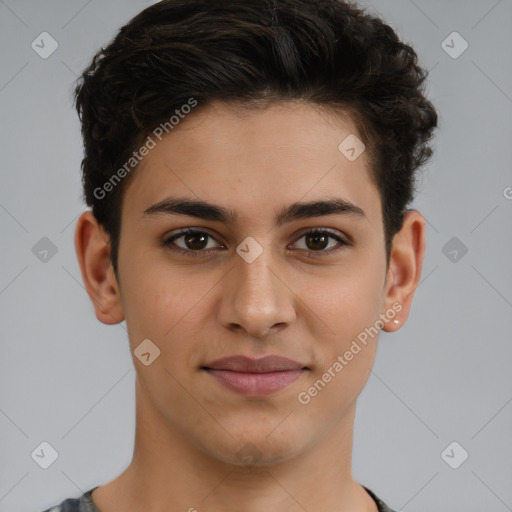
x,y
296,211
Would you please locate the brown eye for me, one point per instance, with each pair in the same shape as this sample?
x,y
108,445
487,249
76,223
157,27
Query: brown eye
x,y
193,242
196,241
319,241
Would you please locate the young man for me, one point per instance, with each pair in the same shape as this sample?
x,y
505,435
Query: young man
x,y
248,165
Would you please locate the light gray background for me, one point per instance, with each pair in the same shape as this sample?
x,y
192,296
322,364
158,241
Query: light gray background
x,y
445,376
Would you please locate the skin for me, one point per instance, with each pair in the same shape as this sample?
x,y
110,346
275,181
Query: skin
x,y
198,308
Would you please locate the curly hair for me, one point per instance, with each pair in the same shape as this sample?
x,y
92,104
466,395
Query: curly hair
x,y
327,52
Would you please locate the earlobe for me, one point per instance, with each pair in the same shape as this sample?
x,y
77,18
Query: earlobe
x,y
93,253
404,273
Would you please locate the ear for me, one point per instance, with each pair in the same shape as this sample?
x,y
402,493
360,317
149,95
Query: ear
x,y
92,246
404,272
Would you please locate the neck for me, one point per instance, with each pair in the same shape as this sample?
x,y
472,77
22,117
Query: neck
x,y
168,472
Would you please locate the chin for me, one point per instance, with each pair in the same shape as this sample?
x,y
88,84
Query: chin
x,y
255,450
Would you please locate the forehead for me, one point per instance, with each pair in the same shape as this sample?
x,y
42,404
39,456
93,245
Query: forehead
x,y
257,158
249,129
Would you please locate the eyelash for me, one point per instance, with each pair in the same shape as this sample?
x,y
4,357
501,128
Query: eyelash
x,y
323,252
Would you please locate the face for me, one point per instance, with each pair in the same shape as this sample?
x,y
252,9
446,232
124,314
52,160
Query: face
x,y
254,280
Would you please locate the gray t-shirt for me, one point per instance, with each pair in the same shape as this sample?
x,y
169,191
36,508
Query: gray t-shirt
x,y
85,504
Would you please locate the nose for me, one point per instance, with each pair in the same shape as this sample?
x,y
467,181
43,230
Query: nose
x,y
257,297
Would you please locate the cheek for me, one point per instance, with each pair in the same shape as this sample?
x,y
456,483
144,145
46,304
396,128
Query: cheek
x,y
345,346
153,301
342,310
169,308
341,304
348,354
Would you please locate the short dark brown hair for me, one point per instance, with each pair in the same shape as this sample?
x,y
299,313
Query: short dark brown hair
x,y
328,52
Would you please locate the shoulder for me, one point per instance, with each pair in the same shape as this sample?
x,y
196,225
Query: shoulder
x,y
69,505
82,504
380,504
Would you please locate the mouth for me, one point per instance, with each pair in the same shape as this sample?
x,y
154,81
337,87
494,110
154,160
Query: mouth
x,y
255,377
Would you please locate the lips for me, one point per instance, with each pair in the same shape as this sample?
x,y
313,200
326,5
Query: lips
x,y
255,377
245,364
